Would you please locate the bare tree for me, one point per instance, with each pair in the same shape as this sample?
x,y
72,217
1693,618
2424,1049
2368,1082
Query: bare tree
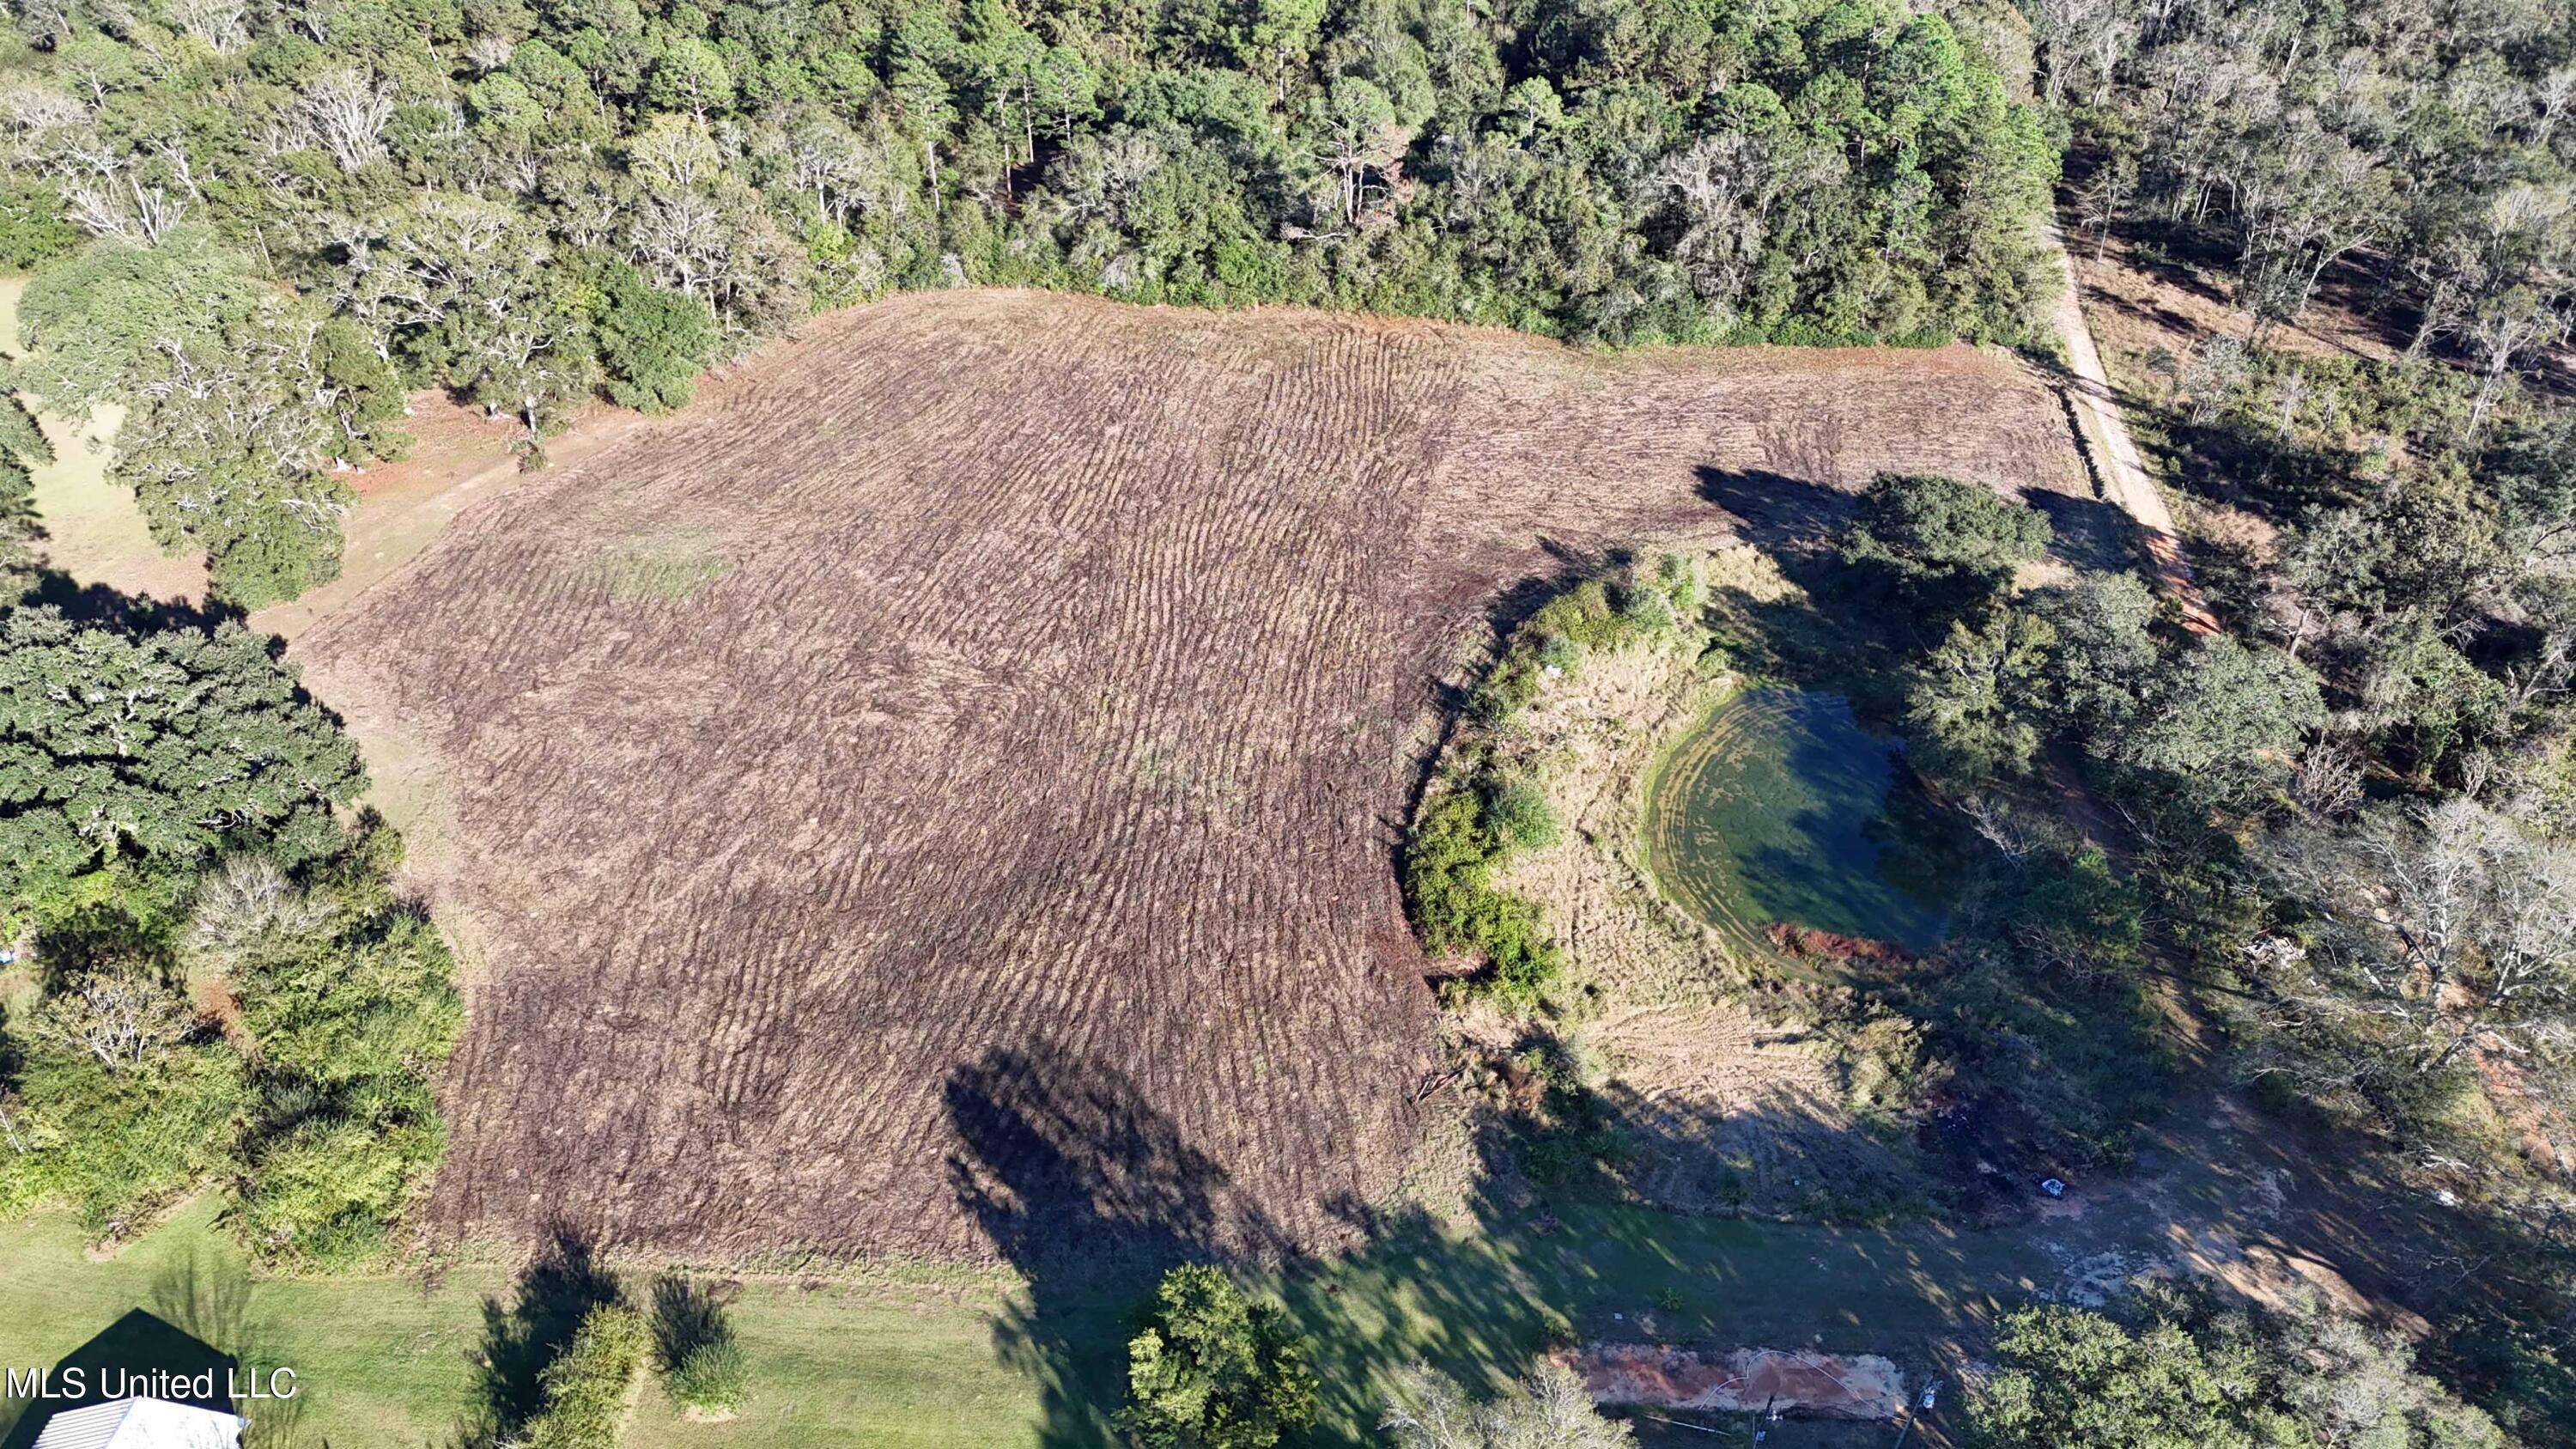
x,y
2437,927
2506,328
222,24
348,111
1546,1409
1998,825
846,175
46,22
110,192
674,152
2553,94
488,53
1724,186
125,208
1357,137
244,906
2087,37
2550,666
33,110
681,236
122,1015
2327,780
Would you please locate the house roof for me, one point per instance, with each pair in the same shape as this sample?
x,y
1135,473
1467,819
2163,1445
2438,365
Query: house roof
x,y
141,1424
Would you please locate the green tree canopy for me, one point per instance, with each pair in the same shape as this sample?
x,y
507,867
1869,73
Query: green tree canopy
x,y
1973,706
652,343
92,320
1215,1370
2221,721
2177,1369
1939,545
155,750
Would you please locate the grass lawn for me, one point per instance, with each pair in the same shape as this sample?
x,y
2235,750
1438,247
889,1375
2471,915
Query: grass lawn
x,y
958,1357
380,1360
390,1360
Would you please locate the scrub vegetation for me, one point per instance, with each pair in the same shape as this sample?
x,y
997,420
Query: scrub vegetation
x,y
1476,812
590,1388
2171,1365
226,988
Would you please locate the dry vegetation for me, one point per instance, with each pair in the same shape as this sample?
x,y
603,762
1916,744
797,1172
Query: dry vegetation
x,y
980,832
1724,1101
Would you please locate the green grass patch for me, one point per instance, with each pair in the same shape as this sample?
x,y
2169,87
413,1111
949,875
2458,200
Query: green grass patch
x,y
947,1359
896,1358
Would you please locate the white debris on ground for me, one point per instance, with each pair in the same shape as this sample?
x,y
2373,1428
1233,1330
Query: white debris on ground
x,y
1649,1375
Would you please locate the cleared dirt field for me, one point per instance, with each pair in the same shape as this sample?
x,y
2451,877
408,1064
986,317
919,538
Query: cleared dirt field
x,y
940,797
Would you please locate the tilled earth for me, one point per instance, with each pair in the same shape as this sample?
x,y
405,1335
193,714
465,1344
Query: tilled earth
x,y
940,796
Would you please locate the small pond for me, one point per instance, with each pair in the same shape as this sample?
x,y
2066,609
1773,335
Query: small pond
x,y
1779,807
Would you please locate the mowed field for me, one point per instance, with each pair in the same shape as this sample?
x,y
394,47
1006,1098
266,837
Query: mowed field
x,y
940,796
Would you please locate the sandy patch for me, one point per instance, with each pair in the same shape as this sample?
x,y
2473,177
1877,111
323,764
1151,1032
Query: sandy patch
x,y
1645,1375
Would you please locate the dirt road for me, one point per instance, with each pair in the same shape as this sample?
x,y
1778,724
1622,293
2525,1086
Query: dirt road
x,y
2117,468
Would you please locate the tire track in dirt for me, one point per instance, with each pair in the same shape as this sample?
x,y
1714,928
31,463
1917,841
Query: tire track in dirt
x,y
1001,840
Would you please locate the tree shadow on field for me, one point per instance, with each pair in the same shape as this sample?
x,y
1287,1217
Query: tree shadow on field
x,y
2090,533
138,1343
199,1327
687,1316
1839,634
131,614
212,1296
1089,1192
556,1290
1774,512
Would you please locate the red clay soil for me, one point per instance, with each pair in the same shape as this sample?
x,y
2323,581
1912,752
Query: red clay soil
x,y
1833,945
941,795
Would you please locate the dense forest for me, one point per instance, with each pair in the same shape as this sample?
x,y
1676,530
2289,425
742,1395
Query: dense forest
x,y
529,203
2424,147
2347,813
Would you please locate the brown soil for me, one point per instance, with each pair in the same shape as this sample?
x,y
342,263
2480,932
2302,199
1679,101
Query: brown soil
x,y
984,836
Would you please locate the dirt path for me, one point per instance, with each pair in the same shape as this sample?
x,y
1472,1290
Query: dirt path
x,y
2113,455
404,507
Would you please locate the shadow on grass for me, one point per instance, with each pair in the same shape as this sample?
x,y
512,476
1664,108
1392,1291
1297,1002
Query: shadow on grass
x,y
131,614
1090,1192
688,1317
201,1340
560,1285
137,1344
